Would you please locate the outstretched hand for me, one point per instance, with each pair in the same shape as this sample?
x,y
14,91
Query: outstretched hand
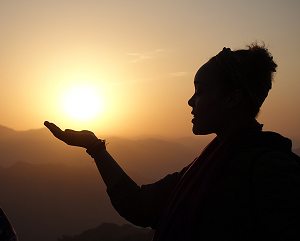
x,y
73,138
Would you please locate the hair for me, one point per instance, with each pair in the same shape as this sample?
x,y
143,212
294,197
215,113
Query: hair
x,y
251,70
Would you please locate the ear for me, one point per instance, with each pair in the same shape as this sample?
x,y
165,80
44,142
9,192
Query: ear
x,y
234,98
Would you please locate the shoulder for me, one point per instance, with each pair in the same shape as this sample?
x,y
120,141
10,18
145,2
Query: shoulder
x,y
277,162
277,173
267,155
265,140
268,147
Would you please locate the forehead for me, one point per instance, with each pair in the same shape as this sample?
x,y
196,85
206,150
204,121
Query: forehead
x,y
208,75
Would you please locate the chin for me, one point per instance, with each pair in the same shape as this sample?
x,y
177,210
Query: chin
x,y
201,131
197,132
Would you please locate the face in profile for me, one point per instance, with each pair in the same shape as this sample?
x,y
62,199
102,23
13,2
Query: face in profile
x,y
209,100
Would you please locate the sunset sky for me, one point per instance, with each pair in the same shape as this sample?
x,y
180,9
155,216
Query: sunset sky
x,y
139,58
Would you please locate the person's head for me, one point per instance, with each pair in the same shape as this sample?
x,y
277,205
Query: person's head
x,y
231,85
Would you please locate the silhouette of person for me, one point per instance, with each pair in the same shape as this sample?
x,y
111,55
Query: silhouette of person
x,y
245,185
7,232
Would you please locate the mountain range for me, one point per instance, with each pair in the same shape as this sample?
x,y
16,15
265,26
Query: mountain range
x,y
50,190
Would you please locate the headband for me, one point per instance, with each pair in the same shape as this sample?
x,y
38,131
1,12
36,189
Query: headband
x,y
235,68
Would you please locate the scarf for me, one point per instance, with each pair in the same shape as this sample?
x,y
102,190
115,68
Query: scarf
x,y
7,232
184,206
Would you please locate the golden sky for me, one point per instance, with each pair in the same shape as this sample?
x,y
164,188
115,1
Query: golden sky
x,y
139,57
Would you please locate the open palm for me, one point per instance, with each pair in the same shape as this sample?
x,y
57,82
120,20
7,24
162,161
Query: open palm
x,y
73,138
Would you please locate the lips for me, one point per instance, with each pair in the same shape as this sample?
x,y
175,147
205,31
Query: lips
x,y
193,116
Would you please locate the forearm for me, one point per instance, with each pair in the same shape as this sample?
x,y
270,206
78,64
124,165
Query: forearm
x,y
141,206
109,169
123,192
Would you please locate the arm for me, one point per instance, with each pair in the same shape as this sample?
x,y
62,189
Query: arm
x,y
276,180
143,206
139,205
109,169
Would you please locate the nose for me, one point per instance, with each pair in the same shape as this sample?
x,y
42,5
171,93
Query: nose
x,y
191,101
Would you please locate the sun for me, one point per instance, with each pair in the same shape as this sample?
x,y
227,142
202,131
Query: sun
x,y
82,103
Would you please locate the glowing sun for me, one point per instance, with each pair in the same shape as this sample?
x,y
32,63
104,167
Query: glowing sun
x,y
82,103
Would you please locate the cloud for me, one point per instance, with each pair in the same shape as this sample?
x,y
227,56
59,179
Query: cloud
x,y
180,74
137,57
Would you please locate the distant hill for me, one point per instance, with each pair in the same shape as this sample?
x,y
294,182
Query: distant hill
x,y
46,201
112,232
153,157
36,146
49,188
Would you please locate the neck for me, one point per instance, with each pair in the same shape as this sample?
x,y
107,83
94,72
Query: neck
x,y
231,127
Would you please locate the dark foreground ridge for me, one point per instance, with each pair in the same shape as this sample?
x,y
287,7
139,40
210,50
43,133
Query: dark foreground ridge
x,y
112,232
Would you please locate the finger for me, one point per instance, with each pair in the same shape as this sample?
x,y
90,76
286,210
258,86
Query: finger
x,y
47,124
56,131
51,126
86,131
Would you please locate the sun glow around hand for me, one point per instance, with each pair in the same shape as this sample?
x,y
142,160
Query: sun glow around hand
x,y
82,103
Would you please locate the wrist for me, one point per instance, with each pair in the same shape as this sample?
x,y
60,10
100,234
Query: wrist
x,y
95,147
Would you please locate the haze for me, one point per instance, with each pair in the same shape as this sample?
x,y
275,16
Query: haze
x,y
140,56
